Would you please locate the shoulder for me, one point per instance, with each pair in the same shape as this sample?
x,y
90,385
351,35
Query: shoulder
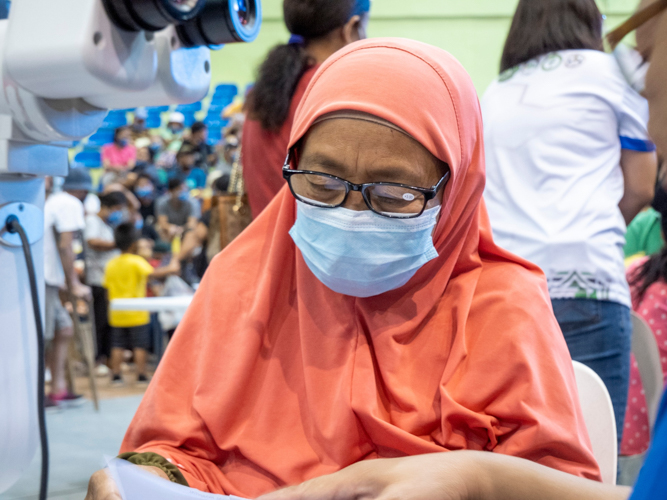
x,y
511,293
162,201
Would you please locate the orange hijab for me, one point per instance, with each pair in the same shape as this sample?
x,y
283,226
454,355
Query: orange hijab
x,y
272,378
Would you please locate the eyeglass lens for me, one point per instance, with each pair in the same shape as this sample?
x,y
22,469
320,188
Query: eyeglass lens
x,y
384,199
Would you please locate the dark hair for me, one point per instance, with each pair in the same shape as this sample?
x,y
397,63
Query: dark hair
x,y
186,149
270,99
543,26
145,176
126,235
222,183
654,269
117,132
197,127
174,183
113,199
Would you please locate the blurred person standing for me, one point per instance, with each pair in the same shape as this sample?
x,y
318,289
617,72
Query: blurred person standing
x,y
64,215
126,277
100,248
319,28
176,211
569,163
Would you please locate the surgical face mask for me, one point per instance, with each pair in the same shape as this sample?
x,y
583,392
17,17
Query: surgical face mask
x,y
184,196
139,224
363,254
144,192
123,143
115,217
176,130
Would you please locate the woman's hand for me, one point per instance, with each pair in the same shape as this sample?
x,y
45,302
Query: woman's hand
x,y
439,476
102,486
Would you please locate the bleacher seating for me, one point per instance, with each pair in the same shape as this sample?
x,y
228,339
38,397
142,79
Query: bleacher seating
x,y
115,119
101,138
223,96
89,158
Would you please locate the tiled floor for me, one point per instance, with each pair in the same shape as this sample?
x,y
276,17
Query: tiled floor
x,y
79,439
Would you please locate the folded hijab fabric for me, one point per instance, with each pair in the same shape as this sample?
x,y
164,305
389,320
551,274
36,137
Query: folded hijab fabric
x,y
273,379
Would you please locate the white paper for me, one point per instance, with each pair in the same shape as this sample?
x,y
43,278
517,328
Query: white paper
x,y
134,483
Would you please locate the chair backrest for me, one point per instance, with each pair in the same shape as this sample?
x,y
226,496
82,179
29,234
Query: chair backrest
x,y
599,418
647,354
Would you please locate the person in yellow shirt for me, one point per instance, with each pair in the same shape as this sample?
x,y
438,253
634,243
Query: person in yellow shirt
x,y
125,277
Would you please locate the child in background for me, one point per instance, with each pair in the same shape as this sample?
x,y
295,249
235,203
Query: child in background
x,y
126,277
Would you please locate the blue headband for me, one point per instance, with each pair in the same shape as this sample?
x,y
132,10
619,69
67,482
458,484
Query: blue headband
x,y
361,7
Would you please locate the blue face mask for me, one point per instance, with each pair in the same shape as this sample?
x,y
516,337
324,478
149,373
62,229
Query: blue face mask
x,y
143,192
115,218
363,254
123,143
139,224
184,196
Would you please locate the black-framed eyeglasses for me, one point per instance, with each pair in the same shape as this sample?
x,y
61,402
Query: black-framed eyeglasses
x,y
388,199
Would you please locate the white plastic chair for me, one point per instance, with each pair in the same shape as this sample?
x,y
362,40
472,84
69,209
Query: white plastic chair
x,y
599,418
647,354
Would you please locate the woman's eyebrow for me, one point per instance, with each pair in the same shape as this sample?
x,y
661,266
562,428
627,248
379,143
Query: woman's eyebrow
x,y
322,160
386,173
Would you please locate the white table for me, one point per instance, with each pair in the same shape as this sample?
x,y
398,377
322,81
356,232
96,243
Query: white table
x,y
152,304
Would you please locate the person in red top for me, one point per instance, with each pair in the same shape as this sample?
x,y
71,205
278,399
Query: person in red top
x,y
319,28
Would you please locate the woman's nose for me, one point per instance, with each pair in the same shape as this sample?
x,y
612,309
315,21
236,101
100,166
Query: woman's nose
x,y
355,201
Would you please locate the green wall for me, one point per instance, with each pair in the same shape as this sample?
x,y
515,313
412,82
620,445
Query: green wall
x,y
472,30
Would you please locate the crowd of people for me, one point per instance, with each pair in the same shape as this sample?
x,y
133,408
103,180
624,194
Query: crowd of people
x,y
129,229
421,271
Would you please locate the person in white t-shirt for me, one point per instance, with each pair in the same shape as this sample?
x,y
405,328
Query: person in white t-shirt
x,y
569,164
100,248
63,214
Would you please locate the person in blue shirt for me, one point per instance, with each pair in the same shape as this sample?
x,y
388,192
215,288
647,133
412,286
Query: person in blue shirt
x,y
187,171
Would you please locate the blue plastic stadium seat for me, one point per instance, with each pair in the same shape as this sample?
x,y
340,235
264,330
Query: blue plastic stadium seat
x,y
214,109
157,109
90,159
154,120
102,137
115,119
226,89
214,135
189,118
194,107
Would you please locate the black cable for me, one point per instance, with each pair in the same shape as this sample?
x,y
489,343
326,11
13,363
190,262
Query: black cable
x,y
14,226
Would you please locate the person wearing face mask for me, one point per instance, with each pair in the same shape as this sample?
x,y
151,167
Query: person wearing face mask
x,y
187,169
176,210
144,190
172,135
120,156
145,160
100,248
319,28
368,312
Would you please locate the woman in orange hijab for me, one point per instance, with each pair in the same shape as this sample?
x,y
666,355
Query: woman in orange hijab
x,y
434,340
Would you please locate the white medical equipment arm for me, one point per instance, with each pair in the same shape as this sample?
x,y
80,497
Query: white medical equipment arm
x,y
63,64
